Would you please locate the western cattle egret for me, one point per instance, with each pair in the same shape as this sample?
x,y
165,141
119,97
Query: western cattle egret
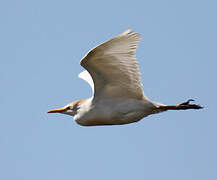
x,y
112,72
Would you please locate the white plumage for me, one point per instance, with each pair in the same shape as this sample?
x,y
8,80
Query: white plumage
x,y
86,76
114,67
115,80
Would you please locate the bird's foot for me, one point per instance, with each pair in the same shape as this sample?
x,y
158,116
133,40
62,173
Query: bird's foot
x,y
183,106
187,105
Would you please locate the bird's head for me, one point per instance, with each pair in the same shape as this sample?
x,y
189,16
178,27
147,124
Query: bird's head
x,y
70,109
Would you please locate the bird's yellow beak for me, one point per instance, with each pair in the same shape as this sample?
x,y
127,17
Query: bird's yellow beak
x,y
58,110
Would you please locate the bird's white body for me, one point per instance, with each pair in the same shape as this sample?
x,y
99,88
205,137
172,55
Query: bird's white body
x,y
112,111
113,73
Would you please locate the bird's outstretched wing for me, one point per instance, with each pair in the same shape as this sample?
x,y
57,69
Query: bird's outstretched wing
x,y
86,76
114,68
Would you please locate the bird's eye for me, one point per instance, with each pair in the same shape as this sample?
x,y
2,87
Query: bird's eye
x,y
69,108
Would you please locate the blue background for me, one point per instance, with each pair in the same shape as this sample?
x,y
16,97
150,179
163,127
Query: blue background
x,y
41,45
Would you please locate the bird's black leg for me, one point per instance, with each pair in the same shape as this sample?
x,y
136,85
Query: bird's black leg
x,y
182,106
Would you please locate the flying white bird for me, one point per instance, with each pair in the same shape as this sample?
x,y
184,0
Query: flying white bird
x,y
112,72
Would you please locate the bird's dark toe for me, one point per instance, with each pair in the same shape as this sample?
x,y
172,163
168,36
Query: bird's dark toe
x,y
186,102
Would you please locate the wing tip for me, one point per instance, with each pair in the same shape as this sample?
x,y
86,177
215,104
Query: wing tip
x,y
129,32
80,75
85,75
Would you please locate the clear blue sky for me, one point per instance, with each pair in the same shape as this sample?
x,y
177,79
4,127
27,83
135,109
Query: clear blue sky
x,y
41,45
